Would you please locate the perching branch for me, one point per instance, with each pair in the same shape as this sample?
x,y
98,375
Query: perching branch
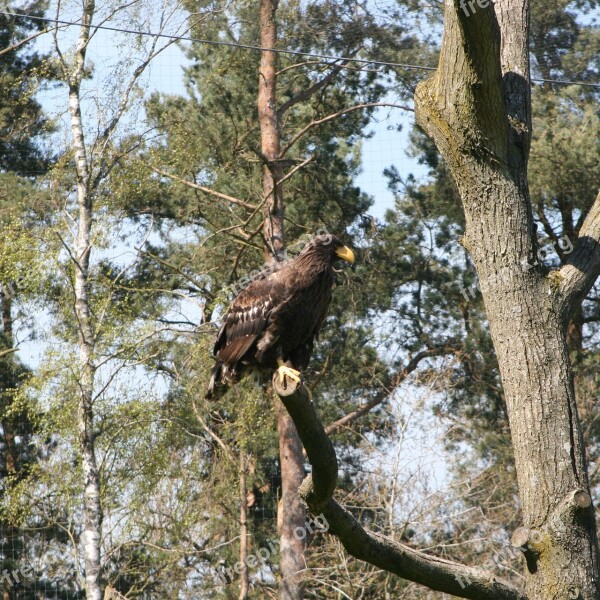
x,y
578,274
8,351
316,490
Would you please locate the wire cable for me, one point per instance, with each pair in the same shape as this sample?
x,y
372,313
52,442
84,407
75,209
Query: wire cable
x,y
327,57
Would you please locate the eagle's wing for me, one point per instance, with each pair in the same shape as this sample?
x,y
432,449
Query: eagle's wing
x,y
247,319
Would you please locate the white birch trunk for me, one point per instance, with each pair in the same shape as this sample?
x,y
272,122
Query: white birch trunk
x,y
92,532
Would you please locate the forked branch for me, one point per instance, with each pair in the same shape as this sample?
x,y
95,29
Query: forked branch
x,y
317,490
582,269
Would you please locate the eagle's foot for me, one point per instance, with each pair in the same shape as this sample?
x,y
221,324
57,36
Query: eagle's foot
x,y
284,371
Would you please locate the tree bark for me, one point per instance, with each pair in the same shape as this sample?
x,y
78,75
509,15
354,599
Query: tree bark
x,y
8,529
291,512
270,133
243,528
476,108
92,532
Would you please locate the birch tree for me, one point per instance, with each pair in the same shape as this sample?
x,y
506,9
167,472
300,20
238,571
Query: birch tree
x,y
94,157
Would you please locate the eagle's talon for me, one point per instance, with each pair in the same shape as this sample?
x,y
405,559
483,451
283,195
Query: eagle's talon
x,y
283,372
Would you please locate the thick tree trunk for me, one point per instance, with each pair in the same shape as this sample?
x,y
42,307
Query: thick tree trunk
x,y
292,514
477,110
243,528
85,417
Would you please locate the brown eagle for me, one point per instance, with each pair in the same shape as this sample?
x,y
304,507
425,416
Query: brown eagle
x,y
273,322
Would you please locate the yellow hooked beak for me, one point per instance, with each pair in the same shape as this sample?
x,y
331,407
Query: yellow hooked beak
x,y
346,254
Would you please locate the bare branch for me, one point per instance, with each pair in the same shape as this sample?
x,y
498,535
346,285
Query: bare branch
x,y
226,450
7,351
412,364
298,65
545,223
296,169
344,111
204,189
24,41
309,91
104,138
63,62
111,14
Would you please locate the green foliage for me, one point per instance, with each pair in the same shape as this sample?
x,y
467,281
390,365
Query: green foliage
x,y
211,139
21,72
165,255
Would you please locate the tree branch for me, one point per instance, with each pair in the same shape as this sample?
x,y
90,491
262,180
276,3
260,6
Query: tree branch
x,y
578,274
291,172
8,351
335,115
316,490
24,41
412,364
103,139
309,91
206,190
544,221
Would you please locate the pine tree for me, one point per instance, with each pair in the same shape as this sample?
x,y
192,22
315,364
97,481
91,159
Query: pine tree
x,y
208,179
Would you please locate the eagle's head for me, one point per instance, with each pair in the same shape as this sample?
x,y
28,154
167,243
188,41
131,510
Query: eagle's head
x,y
327,248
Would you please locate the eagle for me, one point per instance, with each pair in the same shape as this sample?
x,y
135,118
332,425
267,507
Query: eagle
x,y
273,322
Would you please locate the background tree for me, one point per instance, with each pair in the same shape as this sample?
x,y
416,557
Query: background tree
x,y
81,298
322,109
178,205
23,126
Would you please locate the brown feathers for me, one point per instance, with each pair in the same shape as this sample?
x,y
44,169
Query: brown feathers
x,y
277,316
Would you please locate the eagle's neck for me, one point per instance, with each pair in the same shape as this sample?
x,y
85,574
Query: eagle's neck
x,y
313,263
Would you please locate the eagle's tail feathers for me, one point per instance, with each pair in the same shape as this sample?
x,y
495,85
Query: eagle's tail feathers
x,y
216,388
